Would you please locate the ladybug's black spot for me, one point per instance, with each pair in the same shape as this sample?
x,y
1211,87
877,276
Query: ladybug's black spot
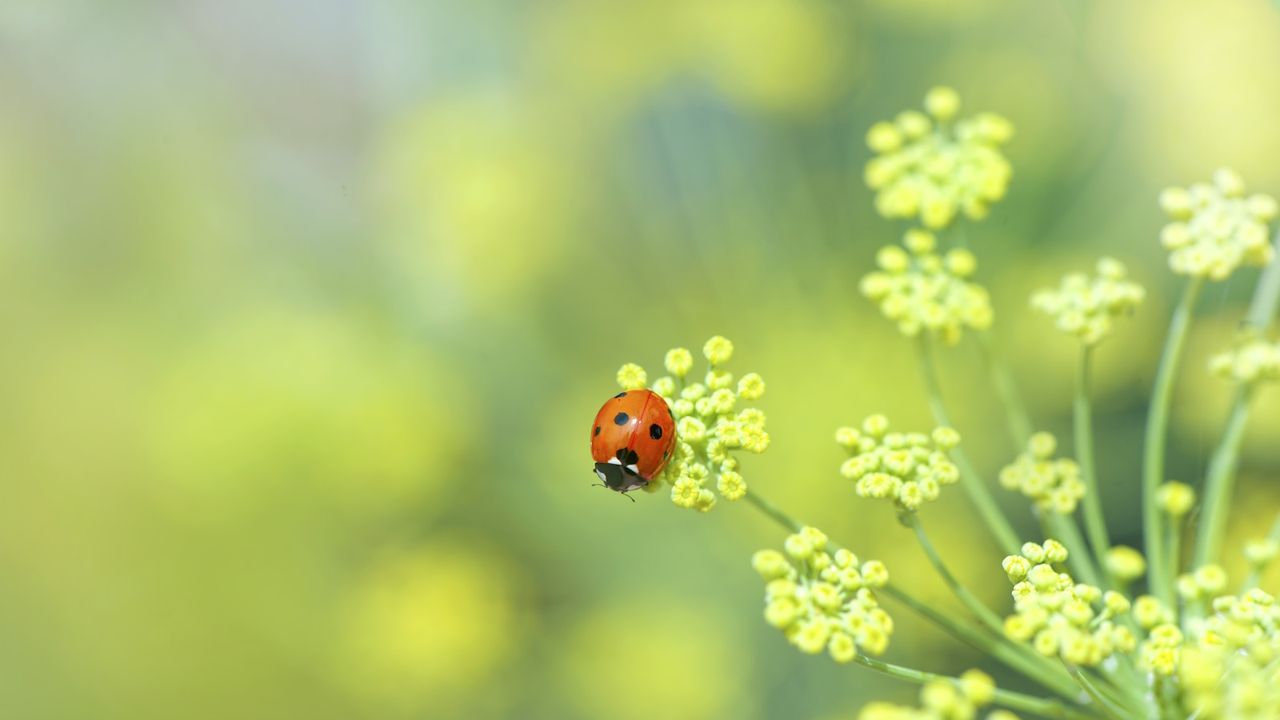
x,y
664,454
597,432
627,456
620,419
655,431
621,394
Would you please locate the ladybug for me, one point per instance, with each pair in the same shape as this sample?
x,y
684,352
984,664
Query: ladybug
x,y
632,439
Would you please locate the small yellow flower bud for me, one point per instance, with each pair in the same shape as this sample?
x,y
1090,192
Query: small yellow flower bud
x,y
631,377
943,103
978,687
1125,564
1261,552
875,425
718,350
751,387
884,137
841,647
1211,579
1175,498
1054,552
1033,552
1016,567
678,362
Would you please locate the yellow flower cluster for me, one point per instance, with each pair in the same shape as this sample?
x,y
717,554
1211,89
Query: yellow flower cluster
x,y
1054,485
1239,643
711,423
944,699
908,468
921,290
1251,361
1216,227
1086,306
824,600
935,167
1059,617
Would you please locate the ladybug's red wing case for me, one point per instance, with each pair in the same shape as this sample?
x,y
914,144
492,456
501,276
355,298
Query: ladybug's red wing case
x,y
632,439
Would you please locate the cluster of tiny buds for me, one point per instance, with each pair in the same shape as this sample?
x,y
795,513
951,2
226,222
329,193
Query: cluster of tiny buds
x,y
933,167
907,468
921,290
1239,640
1253,360
1087,306
1054,485
1059,617
822,599
944,699
1216,227
710,423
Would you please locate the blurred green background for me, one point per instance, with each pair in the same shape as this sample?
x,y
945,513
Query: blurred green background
x,y
306,309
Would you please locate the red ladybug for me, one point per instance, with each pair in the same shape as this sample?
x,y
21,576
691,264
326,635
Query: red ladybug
x,y
632,439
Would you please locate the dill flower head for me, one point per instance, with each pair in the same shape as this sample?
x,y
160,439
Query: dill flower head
x,y
1059,617
1086,306
822,599
1229,669
944,699
921,290
934,167
907,468
1054,485
1252,360
713,423
1216,227
1175,499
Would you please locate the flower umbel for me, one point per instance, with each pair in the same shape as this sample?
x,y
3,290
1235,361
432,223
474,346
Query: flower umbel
x,y
1054,485
1216,227
1086,306
908,468
935,167
1252,360
824,600
921,290
711,424
1059,617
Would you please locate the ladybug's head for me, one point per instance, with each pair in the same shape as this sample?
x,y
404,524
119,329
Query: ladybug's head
x,y
619,477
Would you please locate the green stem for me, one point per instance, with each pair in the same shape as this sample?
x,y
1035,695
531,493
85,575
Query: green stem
x,y
1001,648
1157,427
772,512
1108,706
1095,522
1015,411
1173,533
1063,528
1221,477
1255,572
981,497
984,613
1220,482
1007,698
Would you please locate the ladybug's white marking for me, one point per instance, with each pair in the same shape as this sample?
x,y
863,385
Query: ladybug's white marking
x,y
615,461
600,475
633,469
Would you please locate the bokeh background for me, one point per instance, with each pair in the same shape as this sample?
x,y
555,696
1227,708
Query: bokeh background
x,y
306,309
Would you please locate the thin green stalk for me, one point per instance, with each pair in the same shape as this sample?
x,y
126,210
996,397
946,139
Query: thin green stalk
x,y
1007,698
1095,522
1110,707
1220,482
1159,583
1063,528
1001,648
1255,573
772,512
1019,423
981,497
971,601
1173,544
